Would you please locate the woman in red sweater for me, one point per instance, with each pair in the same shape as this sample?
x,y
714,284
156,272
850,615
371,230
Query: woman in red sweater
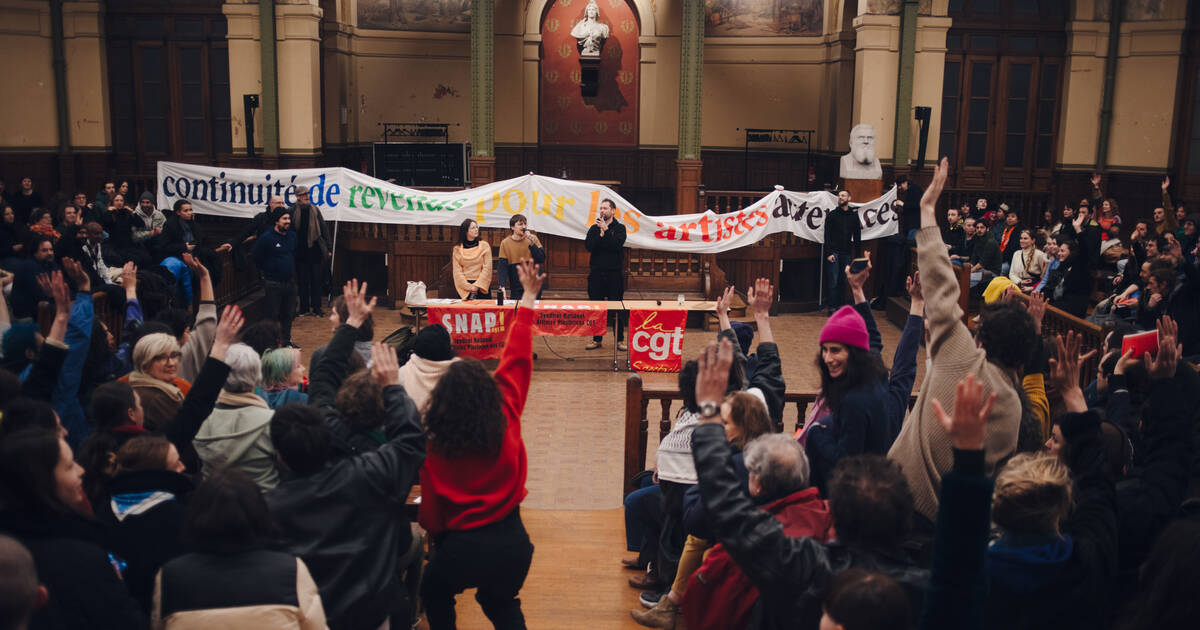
x,y
474,478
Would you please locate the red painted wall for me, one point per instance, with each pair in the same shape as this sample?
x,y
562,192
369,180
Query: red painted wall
x,y
611,117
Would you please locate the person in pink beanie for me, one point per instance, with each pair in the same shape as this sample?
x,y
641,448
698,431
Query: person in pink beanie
x,y
861,406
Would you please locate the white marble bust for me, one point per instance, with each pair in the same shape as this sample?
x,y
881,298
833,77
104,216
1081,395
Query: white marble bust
x,y
860,162
590,32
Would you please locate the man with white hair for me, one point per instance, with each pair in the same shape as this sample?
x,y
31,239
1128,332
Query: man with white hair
x,y
861,162
237,433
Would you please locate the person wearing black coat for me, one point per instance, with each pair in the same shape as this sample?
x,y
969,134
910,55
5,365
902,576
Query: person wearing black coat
x,y
1047,579
26,292
841,242
345,517
605,243
69,549
791,573
1076,270
260,223
182,235
147,514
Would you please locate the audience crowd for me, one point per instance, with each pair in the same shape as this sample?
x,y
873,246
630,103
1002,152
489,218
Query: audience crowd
x,y
1009,491
188,471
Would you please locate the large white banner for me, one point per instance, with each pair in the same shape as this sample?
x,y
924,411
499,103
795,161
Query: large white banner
x,y
553,206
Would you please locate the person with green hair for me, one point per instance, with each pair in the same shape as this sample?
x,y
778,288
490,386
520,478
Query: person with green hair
x,y
282,373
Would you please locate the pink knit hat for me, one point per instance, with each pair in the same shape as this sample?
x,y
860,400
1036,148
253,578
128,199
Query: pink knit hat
x,y
846,326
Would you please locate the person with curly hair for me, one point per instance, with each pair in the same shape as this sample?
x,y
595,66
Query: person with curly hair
x,y
473,481
344,514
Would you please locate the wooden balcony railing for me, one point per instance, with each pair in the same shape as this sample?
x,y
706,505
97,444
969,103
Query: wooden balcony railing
x,y
1059,322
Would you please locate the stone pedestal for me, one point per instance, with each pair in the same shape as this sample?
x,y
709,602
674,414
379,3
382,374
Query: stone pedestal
x,y
483,169
687,186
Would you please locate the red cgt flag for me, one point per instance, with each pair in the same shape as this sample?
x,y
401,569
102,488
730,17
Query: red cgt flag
x,y
656,339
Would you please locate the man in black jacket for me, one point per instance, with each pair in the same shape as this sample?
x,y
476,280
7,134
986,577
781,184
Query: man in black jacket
x,y
26,293
843,239
182,235
275,255
345,517
260,223
869,498
894,250
606,242
985,258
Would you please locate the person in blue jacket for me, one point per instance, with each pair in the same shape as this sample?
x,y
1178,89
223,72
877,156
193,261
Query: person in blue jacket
x,y
864,406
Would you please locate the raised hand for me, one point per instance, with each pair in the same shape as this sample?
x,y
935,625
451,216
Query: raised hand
x,y
725,300
1162,366
1064,371
761,296
194,264
531,280
713,376
356,302
129,280
857,280
73,270
967,427
723,303
227,331
1125,361
1037,309
384,365
912,284
1166,182
1096,180
934,192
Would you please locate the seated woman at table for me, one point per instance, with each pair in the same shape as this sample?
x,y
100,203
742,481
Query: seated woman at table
x,y
472,263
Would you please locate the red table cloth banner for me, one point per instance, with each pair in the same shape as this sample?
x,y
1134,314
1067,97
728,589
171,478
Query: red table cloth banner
x,y
575,319
656,339
479,329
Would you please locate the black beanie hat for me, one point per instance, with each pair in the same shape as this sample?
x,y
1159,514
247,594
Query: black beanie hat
x,y
433,344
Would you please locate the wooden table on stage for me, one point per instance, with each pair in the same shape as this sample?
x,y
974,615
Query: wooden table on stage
x,y
698,306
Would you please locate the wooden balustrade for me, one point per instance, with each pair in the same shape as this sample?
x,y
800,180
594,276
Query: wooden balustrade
x,y
665,389
1059,322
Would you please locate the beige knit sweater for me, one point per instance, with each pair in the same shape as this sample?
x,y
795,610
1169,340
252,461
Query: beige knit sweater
x,y
923,447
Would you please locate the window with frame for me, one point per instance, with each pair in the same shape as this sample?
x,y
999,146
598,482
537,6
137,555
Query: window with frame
x,y
169,85
1001,92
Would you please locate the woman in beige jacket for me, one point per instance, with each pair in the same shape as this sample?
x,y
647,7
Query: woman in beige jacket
x,y
472,263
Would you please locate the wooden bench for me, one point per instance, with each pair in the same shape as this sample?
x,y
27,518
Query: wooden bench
x,y
665,389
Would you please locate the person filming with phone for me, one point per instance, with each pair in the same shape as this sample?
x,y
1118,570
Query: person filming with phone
x,y
604,242
843,239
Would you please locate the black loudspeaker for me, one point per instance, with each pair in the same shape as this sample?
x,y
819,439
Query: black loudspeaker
x,y
249,104
922,115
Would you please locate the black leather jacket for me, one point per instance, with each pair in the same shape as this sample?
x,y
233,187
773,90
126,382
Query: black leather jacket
x,y
790,573
347,521
330,366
